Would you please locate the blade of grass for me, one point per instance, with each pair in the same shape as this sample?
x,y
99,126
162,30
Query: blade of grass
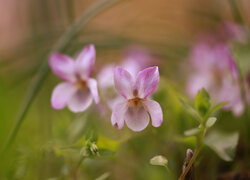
x,y
43,71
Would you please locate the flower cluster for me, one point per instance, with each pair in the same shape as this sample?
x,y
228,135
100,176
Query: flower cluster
x,y
216,70
79,89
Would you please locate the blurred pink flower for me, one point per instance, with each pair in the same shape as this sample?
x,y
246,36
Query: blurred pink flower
x,y
79,90
216,71
231,31
226,32
106,84
136,109
247,86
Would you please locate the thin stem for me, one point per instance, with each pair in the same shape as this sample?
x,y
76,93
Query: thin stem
x,y
245,126
43,71
196,152
170,173
199,141
75,171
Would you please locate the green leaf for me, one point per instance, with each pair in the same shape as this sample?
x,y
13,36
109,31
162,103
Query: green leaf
x,y
159,161
105,153
202,102
187,107
217,107
211,121
223,144
189,140
192,132
103,176
105,143
91,136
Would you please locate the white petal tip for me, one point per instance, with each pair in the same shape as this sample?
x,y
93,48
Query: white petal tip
x,y
158,124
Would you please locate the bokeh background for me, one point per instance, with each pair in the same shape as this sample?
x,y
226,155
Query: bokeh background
x,y
43,148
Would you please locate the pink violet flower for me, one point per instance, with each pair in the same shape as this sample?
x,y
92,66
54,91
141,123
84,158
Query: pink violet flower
x,y
78,90
134,60
136,109
216,71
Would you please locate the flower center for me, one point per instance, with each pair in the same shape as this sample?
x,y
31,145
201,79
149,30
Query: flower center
x,y
135,102
83,84
217,77
80,82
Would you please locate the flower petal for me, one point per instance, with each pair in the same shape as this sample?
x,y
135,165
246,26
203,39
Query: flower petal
x,y
80,101
137,118
155,112
62,66
92,84
147,81
238,109
117,117
123,82
85,61
198,81
61,94
105,77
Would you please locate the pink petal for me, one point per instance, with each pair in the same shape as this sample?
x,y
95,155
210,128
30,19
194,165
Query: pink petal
x,y
61,95
123,82
62,66
137,119
198,81
80,101
105,77
233,67
117,117
147,81
203,56
238,109
155,112
112,102
92,84
85,61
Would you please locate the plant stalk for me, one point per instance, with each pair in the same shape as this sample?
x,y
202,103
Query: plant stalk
x,y
43,71
199,142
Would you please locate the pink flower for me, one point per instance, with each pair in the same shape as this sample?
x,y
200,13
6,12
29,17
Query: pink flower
x,y
232,31
136,109
135,59
216,71
106,84
79,90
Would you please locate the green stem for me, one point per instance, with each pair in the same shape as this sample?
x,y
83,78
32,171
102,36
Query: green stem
x,y
61,45
170,173
199,142
75,171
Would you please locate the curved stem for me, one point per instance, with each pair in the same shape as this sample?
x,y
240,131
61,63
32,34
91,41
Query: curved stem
x,y
170,173
43,71
199,141
75,171
196,152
